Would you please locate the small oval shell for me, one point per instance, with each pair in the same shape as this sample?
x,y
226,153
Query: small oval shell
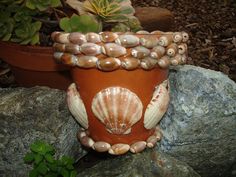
x,y
86,141
108,36
127,40
61,38
72,48
90,49
76,106
113,50
165,40
140,52
87,61
69,59
108,64
118,109
138,147
130,63
101,146
176,60
93,37
157,106
57,56
172,50
142,32
182,48
157,52
119,149
157,32
149,41
54,34
77,38
164,62
58,47
177,37
151,141
185,36
148,63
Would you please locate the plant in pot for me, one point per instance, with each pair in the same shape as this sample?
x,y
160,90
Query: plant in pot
x,y
120,90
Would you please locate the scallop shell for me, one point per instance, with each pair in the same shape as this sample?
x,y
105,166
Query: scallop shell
x,y
118,109
127,40
130,63
157,106
113,50
90,49
140,52
108,64
149,41
93,37
108,36
87,61
76,106
77,38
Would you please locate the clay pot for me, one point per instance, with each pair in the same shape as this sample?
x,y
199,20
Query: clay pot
x,y
34,65
120,90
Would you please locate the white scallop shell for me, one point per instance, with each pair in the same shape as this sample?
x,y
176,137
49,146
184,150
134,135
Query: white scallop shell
x,y
76,106
118,108
157,106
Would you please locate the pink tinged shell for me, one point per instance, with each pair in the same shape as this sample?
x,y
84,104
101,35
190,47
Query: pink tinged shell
x,y
118,109
108,36
90,49
101,146
81,134
93,37
165,40
138,147
142,32
148,63
54,35
76,106
182,48
157,106
157,52
177,37
57,56
127,40
185,36
149,41
108,64
77,38
113,50
87,61
72,48
119,149
164,62
62,38
130,63
140,52
151,141
68,59
87,141
58,47
172,50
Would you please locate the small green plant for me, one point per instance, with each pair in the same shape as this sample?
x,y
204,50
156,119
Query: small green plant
x,y
44,164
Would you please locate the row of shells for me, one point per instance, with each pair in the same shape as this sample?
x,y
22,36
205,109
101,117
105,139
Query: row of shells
x,y
109,51
120,148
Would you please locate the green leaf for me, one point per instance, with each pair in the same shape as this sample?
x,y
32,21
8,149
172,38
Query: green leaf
x,y
49,158
38,158
73,173
37,25
33,173
29,157
30,5
67,160
65,24
42,168
35,39
55,3
53,167
65,173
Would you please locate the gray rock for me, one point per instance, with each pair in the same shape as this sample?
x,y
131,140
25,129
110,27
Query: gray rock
x,y
30,114
200,125
149,163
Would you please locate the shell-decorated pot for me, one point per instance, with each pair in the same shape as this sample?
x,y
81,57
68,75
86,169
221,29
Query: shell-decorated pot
x,y
120,90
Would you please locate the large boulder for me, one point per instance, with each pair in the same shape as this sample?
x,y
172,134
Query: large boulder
x,y
30,114
200,125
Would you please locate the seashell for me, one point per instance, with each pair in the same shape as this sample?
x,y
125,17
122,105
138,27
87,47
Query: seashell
x,y
87,61
118,108
177,37
149,41
77,38
127,40
184,59
57,56
86,141
118,149
130,63
157,106
113,50
58,47
157,32
81,134
158,134
90,49
151,141
101,146
148,63
76,106
157,52
165,40
72,48
185,36
54,35
138,146
108,36
142,32
68,59
182,48
108,64
140,52
164,62
62,38
93,37
172,49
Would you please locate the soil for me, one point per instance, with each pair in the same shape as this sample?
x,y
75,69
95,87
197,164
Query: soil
x,y
210,24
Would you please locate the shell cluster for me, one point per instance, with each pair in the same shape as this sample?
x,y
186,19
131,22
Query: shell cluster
x,y
109,51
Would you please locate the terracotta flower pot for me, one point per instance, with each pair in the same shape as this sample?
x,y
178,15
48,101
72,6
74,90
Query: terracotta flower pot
x,y
121,85
34,65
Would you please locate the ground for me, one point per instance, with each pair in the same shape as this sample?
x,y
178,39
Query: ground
x,y
211,25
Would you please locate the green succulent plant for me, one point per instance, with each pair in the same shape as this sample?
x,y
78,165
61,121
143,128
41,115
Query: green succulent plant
x,y
6,26
45,165
42,5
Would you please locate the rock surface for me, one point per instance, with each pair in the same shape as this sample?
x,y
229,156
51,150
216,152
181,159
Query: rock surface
x,y
30,114
149,163
200,124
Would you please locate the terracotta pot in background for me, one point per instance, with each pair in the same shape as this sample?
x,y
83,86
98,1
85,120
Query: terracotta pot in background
x,y
34,65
